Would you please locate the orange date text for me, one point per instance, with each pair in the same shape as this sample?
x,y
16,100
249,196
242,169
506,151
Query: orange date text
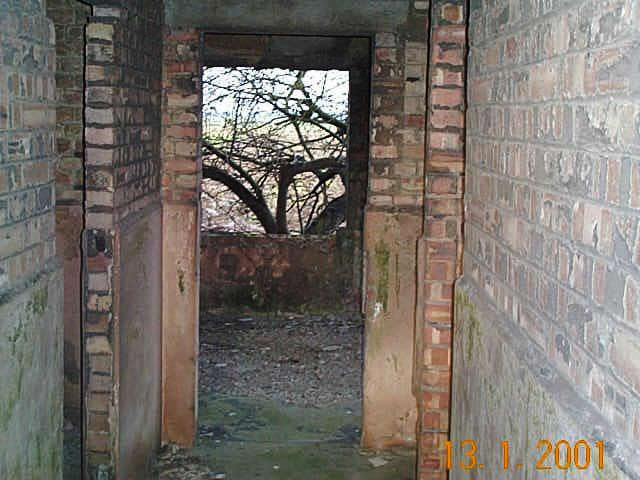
x,y
561,455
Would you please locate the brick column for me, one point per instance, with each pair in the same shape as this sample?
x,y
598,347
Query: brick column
x,y
440,248
181,178
393,224
69,19
122,171
100,329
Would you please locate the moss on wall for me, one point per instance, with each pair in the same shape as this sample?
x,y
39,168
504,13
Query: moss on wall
x,y
31,372
498,396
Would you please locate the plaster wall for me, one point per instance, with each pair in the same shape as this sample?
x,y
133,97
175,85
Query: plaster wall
x,y
140,342
390,415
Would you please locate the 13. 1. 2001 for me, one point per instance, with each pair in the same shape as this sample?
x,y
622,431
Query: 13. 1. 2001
x,y
561,455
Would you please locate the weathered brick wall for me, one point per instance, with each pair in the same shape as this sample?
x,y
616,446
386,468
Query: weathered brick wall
x,y
31,326
69,18
547,338
181,175
392,226
440,248
277,272
122,135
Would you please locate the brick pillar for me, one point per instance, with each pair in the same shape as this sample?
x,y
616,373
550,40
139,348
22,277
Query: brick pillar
x,y
393,224
181,178
100,329
122,172
440,248
69,19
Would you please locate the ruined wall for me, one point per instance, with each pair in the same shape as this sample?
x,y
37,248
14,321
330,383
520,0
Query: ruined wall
x,y
31,323
122,135
277,272
547,340
69,18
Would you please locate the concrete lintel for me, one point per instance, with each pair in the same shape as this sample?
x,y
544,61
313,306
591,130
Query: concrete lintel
x,y
298,17
286,51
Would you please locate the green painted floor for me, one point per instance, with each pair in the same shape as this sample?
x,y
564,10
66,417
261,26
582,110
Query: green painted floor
x,y
249,438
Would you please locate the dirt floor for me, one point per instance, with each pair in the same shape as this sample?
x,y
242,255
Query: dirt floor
x,y
307,361
279,399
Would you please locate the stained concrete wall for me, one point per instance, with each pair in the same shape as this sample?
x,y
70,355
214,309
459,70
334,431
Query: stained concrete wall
x,y
31,333
277,272
140,342
547,338
31,323
69,18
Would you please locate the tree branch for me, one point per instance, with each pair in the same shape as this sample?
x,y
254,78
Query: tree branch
x,y
258,207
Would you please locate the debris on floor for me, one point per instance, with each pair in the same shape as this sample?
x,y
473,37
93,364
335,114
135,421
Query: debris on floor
x,y
311,360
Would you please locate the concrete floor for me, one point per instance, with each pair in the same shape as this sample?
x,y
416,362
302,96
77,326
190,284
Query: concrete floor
x,y
241,438
291,408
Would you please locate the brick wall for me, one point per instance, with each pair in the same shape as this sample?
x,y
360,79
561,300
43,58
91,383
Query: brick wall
x,y
122,135
277,272
31,326
69,18
547,337
440,248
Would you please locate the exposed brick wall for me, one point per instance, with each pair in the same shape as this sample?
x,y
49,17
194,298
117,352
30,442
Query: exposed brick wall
x,y
122,135
30,279
551,235
69,18
440,249
277,272
181,118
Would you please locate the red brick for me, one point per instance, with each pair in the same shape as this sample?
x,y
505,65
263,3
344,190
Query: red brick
x,y
439,313
447,97
447,118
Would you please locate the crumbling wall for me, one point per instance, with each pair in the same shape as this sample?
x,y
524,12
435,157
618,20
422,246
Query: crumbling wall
x,y
277,272
547,341
31,323
123,316
69,18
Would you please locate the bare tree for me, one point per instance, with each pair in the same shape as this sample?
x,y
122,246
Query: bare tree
x,y
277,141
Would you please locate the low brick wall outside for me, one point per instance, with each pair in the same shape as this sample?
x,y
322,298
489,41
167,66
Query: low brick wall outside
x,y
277,272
